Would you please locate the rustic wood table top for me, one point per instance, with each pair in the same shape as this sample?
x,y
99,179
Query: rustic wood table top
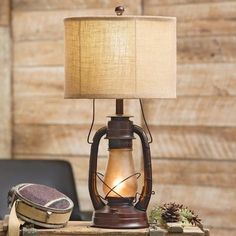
x,y
83,228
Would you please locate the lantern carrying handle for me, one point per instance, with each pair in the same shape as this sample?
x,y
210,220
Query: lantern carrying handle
x,y
96,200
145,196
146,193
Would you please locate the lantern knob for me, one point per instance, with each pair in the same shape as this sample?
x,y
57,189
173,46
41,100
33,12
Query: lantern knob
x,y
119,10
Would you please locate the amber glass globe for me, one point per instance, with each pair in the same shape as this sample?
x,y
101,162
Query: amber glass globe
x,y
120,166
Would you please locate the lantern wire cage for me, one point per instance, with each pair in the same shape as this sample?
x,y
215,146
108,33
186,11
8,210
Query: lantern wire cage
x,y
100,176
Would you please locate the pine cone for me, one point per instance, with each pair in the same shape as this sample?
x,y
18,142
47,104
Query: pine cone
x,y
171,212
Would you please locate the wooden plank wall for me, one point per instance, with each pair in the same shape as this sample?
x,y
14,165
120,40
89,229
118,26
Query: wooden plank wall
x,y
5,80
194,136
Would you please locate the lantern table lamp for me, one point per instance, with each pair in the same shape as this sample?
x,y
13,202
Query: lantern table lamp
x,y
120,57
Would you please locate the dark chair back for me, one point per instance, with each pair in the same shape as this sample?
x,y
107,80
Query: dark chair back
x,y
53,173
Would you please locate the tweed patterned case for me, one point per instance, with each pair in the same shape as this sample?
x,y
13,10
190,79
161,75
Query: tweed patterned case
x,y
41,205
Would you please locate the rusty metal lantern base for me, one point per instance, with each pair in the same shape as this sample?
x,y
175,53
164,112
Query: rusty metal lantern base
x,y
120,214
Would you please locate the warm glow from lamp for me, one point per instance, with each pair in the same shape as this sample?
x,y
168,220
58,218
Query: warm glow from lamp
x,y
120,166
120,57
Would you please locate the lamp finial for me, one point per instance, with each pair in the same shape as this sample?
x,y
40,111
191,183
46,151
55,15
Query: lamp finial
x,y
119,10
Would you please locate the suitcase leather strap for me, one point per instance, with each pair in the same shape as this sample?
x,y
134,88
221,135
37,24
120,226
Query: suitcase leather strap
x,y
14,222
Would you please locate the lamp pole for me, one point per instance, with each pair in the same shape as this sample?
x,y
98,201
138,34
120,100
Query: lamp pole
x,y
119,107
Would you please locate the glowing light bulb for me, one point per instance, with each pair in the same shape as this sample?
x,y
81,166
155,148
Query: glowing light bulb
x,y
120,166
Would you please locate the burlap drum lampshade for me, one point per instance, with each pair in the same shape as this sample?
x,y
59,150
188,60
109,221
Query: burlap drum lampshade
x,y
120,57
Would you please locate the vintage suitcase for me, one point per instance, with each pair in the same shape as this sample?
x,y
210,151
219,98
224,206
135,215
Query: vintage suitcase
x,y
40,205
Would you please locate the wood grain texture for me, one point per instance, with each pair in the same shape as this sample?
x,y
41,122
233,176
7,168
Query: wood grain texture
x,y
194,142
213,18
38,81
4,13
222,231
36,53
192,80
217,79
183,111
65,111
217,173
192,111
82,228
56,140
193,20
207,49
5,93
169,142
52,139
36,5
48,25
